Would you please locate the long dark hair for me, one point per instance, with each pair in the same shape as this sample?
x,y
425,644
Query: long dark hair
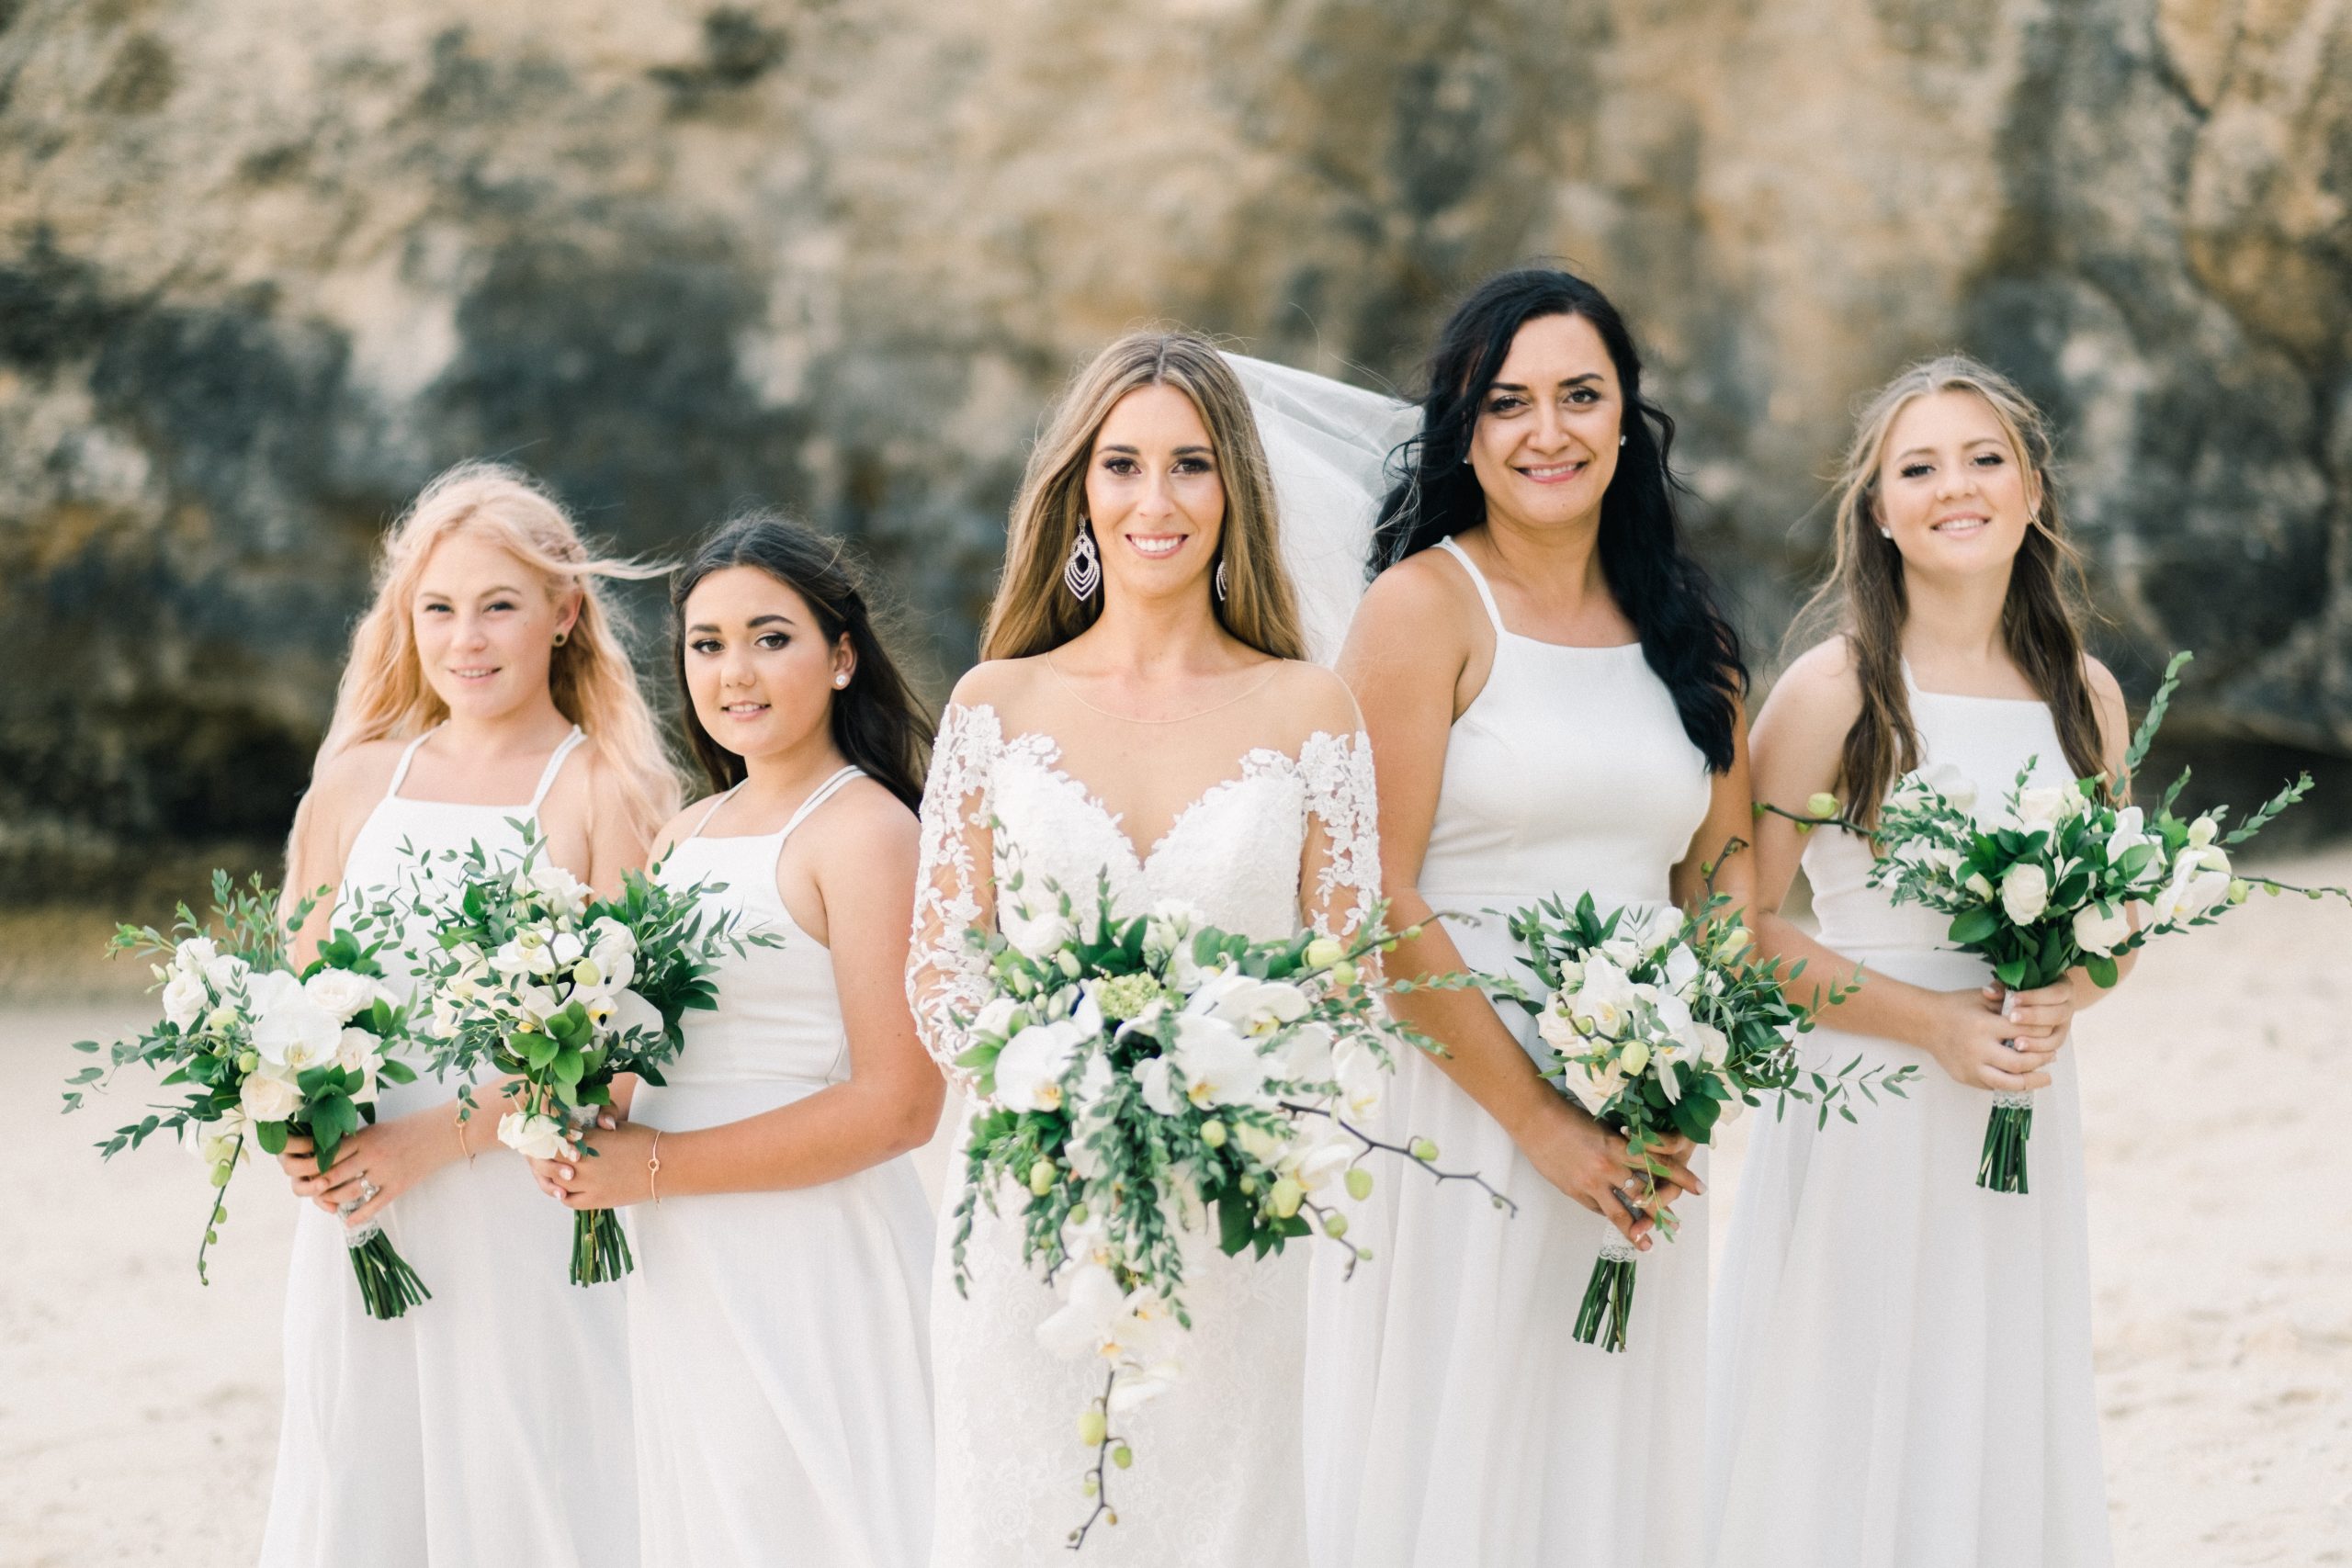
x,y
1685,638
877,722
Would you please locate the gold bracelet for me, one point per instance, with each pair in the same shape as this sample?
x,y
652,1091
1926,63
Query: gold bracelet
x,y
653,1169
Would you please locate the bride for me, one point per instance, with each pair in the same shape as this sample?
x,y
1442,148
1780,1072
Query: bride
x,y
1143,715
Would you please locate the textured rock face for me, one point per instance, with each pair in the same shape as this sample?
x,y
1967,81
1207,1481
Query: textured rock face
x,y
265,266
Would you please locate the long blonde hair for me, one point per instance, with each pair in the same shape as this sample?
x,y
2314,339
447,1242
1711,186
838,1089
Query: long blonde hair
x,y
1863,597
383,693
1034,612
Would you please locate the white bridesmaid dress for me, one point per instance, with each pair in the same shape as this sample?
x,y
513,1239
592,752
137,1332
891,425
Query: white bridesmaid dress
x,y
779,1341
1901,1372
1451,1418
492,1423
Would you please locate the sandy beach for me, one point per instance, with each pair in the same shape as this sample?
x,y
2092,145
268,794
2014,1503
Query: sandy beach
x,y
139,1410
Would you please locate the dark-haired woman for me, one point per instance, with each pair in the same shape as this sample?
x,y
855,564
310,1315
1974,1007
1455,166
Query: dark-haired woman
x,y
1902,1362
778,1314
1553,702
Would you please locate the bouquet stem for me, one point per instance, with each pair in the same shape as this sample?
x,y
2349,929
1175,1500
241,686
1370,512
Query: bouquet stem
x,y
1608,1295
599,1250
388,1286
2002,1167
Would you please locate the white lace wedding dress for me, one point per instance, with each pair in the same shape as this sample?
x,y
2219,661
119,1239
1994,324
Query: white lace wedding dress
x,y
1218,1470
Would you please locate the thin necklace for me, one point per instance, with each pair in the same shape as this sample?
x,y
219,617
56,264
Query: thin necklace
x,y
1179,719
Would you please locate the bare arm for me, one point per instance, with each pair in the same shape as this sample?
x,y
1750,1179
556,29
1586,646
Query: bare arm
x,y
1406,652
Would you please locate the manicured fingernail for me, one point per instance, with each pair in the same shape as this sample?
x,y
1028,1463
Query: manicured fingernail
x,y
567,1173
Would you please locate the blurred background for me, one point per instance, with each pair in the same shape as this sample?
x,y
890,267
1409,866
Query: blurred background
x,y
268,265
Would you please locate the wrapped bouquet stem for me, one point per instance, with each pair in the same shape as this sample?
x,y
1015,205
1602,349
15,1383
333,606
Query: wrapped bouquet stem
x,y
264,1054
2055,878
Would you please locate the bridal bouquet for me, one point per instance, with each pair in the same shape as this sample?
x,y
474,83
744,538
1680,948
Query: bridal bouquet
x,y
1141,1080
264,1054
532,975
1663,1023
2046,883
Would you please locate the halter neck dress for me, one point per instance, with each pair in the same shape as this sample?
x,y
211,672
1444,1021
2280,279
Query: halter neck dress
x,y
780,1339
492,1423
1452,1419
1901,1366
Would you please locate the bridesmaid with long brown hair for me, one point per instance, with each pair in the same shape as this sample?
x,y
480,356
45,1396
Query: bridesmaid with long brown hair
x,y
1901,1366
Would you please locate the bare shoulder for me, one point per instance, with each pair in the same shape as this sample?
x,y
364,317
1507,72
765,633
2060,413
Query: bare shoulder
x,y
863,816
679,826
352,781
1314,698
996,683
1424,594
1819,682
2107,697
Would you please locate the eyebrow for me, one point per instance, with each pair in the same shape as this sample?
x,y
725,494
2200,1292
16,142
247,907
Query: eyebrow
x,y
436,593
1195,450
1567,381
754,621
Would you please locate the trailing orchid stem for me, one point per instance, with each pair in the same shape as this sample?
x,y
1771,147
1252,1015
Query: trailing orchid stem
x,y
1101,1474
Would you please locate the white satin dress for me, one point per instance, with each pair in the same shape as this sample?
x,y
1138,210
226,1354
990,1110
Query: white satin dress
x,y
1284,842
1901,1370
1451,1418
489,1424
779,1341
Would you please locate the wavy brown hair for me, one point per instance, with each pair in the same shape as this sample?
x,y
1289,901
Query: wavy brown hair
x,y
1034,612
1863,599
383,693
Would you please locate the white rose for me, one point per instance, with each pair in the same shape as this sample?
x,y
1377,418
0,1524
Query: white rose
x,y
2025,893
356,1053
2101,930
291,1031
1030,1067
533,1136
1978,884
341,992
1156,1081
560,889
1658,926
226,973
184,1000
1593,1087
1040,937
268,1099
996,1018
1220,1065
2043,807
1558,1029
194,955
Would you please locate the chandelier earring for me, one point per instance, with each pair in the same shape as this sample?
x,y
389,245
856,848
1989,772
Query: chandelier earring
x,y
1082,573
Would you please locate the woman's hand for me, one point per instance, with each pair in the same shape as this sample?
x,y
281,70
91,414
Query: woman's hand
x,y
1971,1040
1595,1167
299,1160
389,1158
610,1168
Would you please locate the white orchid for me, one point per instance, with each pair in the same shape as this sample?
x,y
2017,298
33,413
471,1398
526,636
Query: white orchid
x,y
1030,1067
291,1031
1254,1006
1603,1003
1221,1065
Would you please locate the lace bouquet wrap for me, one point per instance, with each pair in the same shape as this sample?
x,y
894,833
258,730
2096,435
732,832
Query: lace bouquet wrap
x,y
1146,1077
263,1053
2058,878
532,975
1665,1024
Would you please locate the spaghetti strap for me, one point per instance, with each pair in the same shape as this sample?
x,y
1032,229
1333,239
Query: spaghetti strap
x,y
399,774
817,797
555,766
1477,580
717,801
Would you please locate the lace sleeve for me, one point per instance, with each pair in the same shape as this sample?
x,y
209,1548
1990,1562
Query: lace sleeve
x,y
1339,873
955,887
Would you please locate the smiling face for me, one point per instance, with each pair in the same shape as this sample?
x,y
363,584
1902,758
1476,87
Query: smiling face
x,y
1950,489
758,666
1154,494
1544,447
485,624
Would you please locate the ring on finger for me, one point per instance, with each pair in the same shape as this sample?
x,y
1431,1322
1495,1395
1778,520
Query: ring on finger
x,y
368,1190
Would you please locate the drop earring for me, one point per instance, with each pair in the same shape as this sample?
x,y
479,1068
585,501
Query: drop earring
x,y
1620,441
1082,573
1221,587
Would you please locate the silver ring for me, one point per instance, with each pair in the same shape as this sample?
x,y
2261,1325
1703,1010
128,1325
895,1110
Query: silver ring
x,y
368,1191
